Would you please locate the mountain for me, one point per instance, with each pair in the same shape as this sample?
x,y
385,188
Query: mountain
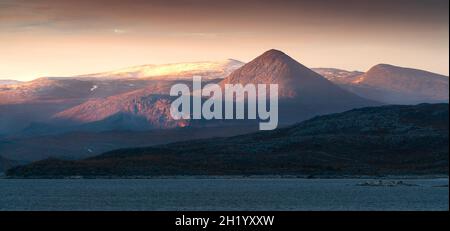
x,y
304,95
43,89
38,100
208,70
144,108
397,140
395,85
414,86
58,89
26,104
55,89
302,92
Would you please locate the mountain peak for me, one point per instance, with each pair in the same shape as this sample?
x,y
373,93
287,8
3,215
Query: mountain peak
x,y
273,52
384,67
404,71
231,60
273,67
275,55
295,81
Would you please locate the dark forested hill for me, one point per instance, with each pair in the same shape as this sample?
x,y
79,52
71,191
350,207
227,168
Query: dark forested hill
x,y
375,140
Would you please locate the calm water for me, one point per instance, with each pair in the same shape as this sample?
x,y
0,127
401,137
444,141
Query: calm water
x,y
220,194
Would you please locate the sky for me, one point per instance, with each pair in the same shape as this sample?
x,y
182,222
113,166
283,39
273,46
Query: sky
x,y
63,38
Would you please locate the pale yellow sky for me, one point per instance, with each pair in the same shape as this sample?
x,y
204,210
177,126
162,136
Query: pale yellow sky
x,y
63,38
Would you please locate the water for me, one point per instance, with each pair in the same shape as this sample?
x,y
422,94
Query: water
x,y
220,194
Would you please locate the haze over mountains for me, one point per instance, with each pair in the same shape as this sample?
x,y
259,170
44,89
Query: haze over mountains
x,y
136,99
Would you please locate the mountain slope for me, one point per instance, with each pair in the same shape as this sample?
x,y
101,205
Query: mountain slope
x,y
60,89
397,85
38,100
294,79
146,108
208,70
367,141
302,92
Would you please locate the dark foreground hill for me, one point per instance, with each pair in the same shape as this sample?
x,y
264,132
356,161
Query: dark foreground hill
x,y
399,140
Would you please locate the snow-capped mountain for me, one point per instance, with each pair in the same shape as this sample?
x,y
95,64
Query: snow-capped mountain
x,y
303,94
208,70
338,76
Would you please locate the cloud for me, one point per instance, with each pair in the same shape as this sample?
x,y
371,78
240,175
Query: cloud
x,y
119,31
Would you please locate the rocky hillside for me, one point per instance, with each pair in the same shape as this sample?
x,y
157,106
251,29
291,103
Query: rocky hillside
x,y
375,140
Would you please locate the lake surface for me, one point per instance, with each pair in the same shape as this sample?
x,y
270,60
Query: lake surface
x,y
220,194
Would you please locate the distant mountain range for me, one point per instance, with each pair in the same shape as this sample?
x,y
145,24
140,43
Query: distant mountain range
x,y
391,84
368,141
24,103
39,100
136,100
311,93
208,70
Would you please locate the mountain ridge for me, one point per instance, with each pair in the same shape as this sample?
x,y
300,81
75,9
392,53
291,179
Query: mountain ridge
x,y
394,140
318,96
208,70
395,85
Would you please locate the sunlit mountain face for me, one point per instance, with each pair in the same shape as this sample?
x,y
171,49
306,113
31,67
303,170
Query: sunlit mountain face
x,y
208,70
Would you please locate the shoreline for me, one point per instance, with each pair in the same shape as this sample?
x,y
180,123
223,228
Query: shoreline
x,y
220,177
